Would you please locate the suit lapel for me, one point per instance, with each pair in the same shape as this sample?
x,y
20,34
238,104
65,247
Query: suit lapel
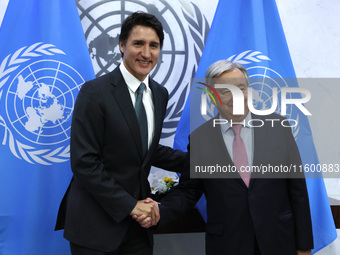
x,y
158,107
123,99
158,120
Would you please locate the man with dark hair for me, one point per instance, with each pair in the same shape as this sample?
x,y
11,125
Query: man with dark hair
x,y
116,128
146,20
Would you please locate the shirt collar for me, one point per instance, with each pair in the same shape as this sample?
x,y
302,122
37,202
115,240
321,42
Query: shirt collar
x,y
226,126
132,82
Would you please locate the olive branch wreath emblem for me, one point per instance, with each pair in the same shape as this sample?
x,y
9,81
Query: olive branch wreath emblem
x,y
250,56
199,29
22,151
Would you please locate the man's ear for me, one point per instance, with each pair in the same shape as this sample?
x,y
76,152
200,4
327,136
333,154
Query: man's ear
x,y
121,47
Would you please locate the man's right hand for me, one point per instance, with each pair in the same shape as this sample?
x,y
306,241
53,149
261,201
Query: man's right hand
x,y
150,217
146,211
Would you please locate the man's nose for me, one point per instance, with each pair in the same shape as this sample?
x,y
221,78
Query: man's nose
x,y
146,52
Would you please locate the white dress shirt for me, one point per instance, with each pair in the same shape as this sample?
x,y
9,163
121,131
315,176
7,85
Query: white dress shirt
x,y
133,84
247,134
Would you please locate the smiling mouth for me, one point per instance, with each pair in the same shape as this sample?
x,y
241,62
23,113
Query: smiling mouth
x,y
144,62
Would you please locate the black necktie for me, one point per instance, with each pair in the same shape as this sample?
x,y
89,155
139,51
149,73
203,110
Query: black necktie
x,y
141,117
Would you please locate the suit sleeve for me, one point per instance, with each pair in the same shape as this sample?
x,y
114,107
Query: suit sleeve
x,y
86,147
299,198
169,159
181,198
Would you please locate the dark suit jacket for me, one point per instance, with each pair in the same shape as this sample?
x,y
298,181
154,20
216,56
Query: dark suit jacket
x,y
109,172
275,211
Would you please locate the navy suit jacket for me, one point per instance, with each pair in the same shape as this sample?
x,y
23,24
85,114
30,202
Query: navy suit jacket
x,y
109,171
273,211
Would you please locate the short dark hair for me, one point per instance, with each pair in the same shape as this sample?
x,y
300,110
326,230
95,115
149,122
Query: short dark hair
x,y
143,19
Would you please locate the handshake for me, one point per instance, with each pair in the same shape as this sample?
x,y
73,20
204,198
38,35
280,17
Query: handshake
x,y
146,212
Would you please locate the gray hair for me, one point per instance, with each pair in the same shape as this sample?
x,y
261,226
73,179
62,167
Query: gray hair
x,y
223,66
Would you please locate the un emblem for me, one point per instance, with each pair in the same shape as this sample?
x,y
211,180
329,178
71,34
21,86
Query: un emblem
x,y
262,81
38,103
185,31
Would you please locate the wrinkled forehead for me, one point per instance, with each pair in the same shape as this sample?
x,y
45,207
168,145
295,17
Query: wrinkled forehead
x,y
239,82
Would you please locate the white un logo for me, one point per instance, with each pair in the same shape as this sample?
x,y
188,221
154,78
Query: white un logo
x,y
40,101
38,104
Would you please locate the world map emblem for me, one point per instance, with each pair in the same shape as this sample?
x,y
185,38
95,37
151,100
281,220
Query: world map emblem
x,y
185,31
37,95
262,80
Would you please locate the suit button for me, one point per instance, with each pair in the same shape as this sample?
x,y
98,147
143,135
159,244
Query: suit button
x,y
135,195
250,222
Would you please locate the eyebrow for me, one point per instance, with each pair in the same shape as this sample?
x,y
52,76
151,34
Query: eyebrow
x,y
143,41
155,43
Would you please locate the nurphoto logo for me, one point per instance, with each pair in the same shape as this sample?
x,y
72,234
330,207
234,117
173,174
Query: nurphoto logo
x,y
238,102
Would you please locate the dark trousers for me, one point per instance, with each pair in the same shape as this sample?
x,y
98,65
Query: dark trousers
x,y
136,242
256,248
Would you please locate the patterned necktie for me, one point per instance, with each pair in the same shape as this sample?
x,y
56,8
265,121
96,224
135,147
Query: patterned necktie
x,y
141,117
240,155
